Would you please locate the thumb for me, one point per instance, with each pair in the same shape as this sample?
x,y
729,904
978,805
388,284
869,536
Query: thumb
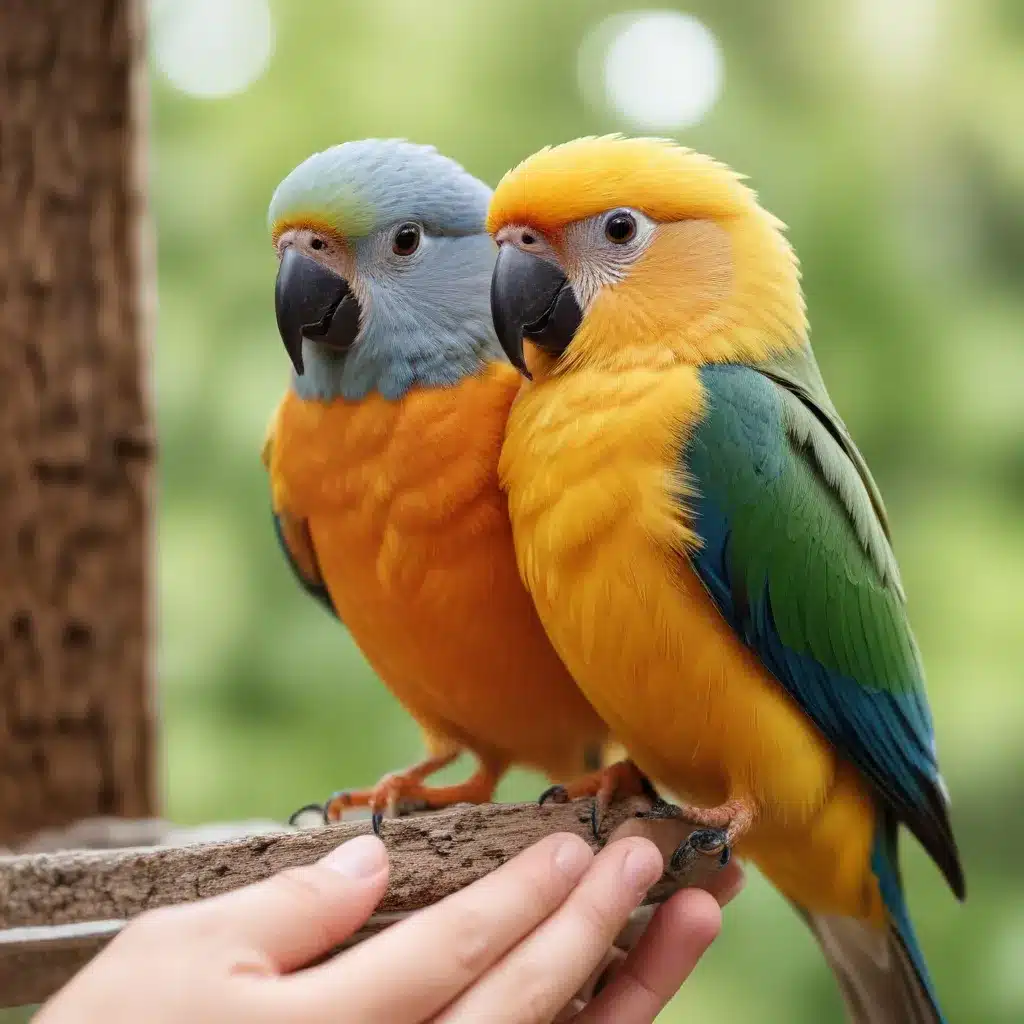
x,y
302,913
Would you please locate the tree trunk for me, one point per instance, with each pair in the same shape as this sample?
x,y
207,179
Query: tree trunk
x,y
76,451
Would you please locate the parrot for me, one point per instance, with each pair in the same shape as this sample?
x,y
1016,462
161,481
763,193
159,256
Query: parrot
x,y
382,459
706,546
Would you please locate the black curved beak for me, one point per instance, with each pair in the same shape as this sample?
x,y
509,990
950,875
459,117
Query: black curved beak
x,y
315,303
531,300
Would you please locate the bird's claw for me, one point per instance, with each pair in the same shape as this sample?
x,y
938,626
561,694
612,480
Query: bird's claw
x,y
556,794
321,809
560,795
661,809
336,805
605,786
394,807
702,842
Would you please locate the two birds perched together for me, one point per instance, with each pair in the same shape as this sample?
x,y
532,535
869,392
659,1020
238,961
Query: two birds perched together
x,y
590,482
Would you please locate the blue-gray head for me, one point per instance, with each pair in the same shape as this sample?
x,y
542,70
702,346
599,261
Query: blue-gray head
x,y
385,269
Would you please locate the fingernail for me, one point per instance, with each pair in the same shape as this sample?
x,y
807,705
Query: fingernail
x,y
362,857
642,867
572,858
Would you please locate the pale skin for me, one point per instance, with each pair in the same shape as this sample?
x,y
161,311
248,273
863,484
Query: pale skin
x,y
324,246
517,947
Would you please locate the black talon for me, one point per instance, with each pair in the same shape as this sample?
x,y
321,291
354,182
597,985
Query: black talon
x,y
709,840
681,858
557,793
295,815
660,809
375,821
702,842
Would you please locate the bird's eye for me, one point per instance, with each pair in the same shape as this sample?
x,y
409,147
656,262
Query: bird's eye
x,y
406,240
620,228
317,243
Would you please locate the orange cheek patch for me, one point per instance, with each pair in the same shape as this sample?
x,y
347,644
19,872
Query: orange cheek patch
x,y
689,264
687,273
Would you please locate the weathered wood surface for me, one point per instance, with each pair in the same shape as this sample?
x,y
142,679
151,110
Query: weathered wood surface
x,y
59,909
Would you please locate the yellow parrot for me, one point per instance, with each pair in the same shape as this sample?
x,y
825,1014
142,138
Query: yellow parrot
x,y
383,464
705,545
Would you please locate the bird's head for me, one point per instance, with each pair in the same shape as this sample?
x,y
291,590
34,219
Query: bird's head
x,y
384,263
617,253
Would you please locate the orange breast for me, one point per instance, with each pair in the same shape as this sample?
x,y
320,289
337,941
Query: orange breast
x,y
412,535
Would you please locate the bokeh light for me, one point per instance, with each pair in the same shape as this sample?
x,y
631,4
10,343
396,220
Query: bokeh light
x,y
896,41
212,48
659,70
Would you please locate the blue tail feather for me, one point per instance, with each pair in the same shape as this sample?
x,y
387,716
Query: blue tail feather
x,y
885,865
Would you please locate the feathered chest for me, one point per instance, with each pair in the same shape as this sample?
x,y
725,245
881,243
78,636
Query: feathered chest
x,y
594,465
416,461
397,487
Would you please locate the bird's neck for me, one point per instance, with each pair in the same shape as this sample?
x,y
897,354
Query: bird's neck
x,y
391,365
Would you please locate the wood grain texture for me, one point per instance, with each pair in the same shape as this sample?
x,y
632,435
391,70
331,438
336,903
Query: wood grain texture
x,y
76,447
59,909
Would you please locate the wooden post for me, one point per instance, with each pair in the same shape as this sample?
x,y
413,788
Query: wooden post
x,y
76,448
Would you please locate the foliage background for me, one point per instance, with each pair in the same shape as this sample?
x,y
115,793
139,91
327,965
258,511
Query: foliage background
x,y
889,142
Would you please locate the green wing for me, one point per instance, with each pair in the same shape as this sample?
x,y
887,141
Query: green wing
x,y
796,556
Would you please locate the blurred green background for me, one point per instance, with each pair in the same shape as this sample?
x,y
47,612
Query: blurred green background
x,y
886,133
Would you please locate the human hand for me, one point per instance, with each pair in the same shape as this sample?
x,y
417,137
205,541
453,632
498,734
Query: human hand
x,y
516,946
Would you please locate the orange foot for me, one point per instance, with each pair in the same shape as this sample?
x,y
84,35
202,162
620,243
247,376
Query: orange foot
x,y
718,829
398,792
615,782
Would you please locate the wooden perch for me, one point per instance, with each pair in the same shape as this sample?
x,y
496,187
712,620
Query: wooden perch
x,y
59,909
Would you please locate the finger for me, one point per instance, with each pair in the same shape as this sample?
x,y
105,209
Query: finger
x,y
675,940
418,966
570,1012
635,927
724,887
667,834
727,884
600,975
300,914
543,973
